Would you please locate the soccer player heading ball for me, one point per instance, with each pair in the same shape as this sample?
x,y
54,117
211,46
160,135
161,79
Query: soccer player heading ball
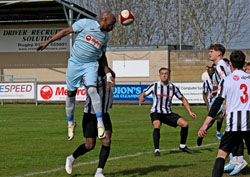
x,y
89,47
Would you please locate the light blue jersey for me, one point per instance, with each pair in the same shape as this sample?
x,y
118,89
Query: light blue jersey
x,y
90,42
88,47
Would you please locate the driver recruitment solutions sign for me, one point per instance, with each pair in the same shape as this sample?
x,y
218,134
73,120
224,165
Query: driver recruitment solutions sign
x,y
28,39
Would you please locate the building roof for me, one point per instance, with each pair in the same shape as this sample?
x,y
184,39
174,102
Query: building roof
x,y
40,11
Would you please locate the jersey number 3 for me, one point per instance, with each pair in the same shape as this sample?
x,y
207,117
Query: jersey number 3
x,y
244,99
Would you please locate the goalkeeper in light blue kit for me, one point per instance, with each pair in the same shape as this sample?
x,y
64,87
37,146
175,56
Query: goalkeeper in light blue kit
x,y
89,47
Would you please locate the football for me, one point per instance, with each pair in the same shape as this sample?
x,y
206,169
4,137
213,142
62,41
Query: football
x,y
126,17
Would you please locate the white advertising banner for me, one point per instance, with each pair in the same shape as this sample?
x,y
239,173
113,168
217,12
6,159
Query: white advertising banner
x,y
51,92
131,68
17,91
57,92
191,91
28,39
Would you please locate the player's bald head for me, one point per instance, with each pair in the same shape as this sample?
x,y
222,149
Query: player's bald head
x,y
107,15
107,21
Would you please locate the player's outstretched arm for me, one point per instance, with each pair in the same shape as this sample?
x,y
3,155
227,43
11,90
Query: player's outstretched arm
x,y
187,106
58,35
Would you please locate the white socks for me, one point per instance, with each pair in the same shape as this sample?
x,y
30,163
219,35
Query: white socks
x,y
72,158
96,102
99,171
182,145
70,107
95,98
100,122
157,150
240,159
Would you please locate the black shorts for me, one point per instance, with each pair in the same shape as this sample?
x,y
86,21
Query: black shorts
x,y
89,124
169,119
231,140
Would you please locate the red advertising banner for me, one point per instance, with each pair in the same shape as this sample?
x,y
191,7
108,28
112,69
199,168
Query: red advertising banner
x,y
51,92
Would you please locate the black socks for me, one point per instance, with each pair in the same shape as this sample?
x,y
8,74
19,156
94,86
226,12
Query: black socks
x,y
218,167
184,134
104,154
156,137
80,151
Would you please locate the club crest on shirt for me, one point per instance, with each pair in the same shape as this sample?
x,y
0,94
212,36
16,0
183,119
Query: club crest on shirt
x,y
214,82
90,39
236,78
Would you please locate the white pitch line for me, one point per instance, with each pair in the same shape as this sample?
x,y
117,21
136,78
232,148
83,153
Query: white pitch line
x,y
109,159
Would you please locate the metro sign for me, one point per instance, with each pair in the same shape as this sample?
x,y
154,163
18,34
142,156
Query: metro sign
x,y
57,93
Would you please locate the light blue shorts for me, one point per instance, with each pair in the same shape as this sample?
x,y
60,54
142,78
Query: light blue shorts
x,y
81,73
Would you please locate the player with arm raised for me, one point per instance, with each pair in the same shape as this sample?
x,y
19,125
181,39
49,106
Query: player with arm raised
x,y
89,47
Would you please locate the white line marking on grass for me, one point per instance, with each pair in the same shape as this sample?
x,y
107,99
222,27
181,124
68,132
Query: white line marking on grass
x,y
109,159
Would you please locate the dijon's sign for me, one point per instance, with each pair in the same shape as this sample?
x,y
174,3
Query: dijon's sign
x,y
28,39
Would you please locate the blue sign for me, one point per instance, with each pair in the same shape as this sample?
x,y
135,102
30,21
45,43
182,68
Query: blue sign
x,y
129,92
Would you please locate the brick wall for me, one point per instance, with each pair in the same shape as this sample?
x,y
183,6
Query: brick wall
x,y
186,65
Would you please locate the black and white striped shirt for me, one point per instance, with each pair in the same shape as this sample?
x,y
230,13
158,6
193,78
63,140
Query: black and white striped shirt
x,y
106,96
222,70
208,88
162,96
235,88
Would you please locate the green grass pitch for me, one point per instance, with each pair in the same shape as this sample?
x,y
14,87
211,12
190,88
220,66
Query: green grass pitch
x,y
33,142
